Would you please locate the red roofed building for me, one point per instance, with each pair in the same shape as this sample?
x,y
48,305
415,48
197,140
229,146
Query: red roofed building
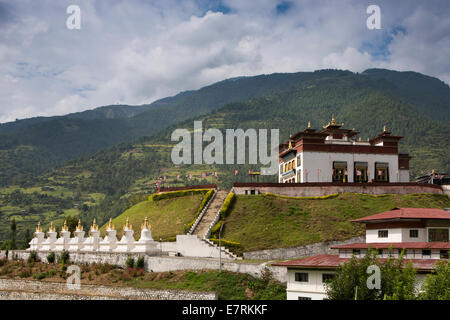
x,y
423,235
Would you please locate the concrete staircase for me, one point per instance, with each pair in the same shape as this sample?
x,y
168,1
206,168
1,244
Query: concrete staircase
x,y
210,214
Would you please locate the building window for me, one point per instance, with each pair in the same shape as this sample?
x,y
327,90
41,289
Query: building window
x,y
326,277
301,277
360,172
304,298
381,172
383,233
426,253
439,235
356,252
340,171
413,233
444,254
298,161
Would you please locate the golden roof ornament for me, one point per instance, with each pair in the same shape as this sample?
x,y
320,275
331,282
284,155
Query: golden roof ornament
x,y
127,225
65,227
79,226
38,228
309,124
333,121
52,228
290,144
110,225
145,225
94,226
384,129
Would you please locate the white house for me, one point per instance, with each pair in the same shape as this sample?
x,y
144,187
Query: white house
x,y
423,235
333,154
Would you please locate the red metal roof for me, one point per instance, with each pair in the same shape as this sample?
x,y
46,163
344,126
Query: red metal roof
x,y
407,213
330,261
396,245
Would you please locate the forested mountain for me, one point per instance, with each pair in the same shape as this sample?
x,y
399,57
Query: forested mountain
x,y
101,185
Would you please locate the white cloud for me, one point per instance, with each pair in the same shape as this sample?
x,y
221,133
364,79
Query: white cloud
x,y
137,51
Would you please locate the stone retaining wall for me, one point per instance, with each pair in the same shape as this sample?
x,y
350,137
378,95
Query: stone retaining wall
x,y
324,189
301,251
162,263
41,290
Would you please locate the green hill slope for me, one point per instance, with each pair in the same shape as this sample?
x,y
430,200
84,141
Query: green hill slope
x,y
167,217
260,222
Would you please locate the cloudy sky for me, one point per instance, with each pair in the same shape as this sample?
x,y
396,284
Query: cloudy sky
x,y
136,51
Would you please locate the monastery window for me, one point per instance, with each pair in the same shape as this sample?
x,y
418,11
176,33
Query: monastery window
x,y
426,253
383,233
356,252
440,235
360,172
381,172
444,254
340,173
301,277
281,168
413,233
299,161
326,277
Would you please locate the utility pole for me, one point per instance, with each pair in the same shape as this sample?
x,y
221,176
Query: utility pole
x,y
220,248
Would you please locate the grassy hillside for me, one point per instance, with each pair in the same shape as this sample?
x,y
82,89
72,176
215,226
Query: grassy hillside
x,y
266,222
167,218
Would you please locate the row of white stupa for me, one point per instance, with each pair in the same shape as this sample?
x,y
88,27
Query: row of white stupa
x,y
94,242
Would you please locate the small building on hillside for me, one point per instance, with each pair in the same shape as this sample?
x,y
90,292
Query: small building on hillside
x,y
423,234
333,154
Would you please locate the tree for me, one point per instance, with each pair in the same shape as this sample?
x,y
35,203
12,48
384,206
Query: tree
x,y
12,243
437,284
397,281
27,238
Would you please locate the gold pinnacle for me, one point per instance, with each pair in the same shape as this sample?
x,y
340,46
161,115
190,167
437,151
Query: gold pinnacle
x,y
333,121
65,227
38,228
110,224
309,124
52,228
79,226
384,129
127,225
94,226
145,225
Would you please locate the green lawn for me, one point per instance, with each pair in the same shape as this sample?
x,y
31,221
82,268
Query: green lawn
x,y
166,217
266,222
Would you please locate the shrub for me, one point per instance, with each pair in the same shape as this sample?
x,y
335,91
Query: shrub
x,y
51,273
130,262
175,194
51,257
64,257
140,263
39,276
32,258
25,273
227,205
227,243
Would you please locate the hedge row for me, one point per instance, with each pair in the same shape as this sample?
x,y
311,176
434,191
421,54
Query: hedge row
x,y
227,244
224,212
175,194
205,200
330,196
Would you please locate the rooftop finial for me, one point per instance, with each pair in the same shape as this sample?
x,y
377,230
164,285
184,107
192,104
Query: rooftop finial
x,y
65,227
309,124
94,226
384,129
79,226
127,225
333,121
145,225
38,228
290,144
52,228
110,224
